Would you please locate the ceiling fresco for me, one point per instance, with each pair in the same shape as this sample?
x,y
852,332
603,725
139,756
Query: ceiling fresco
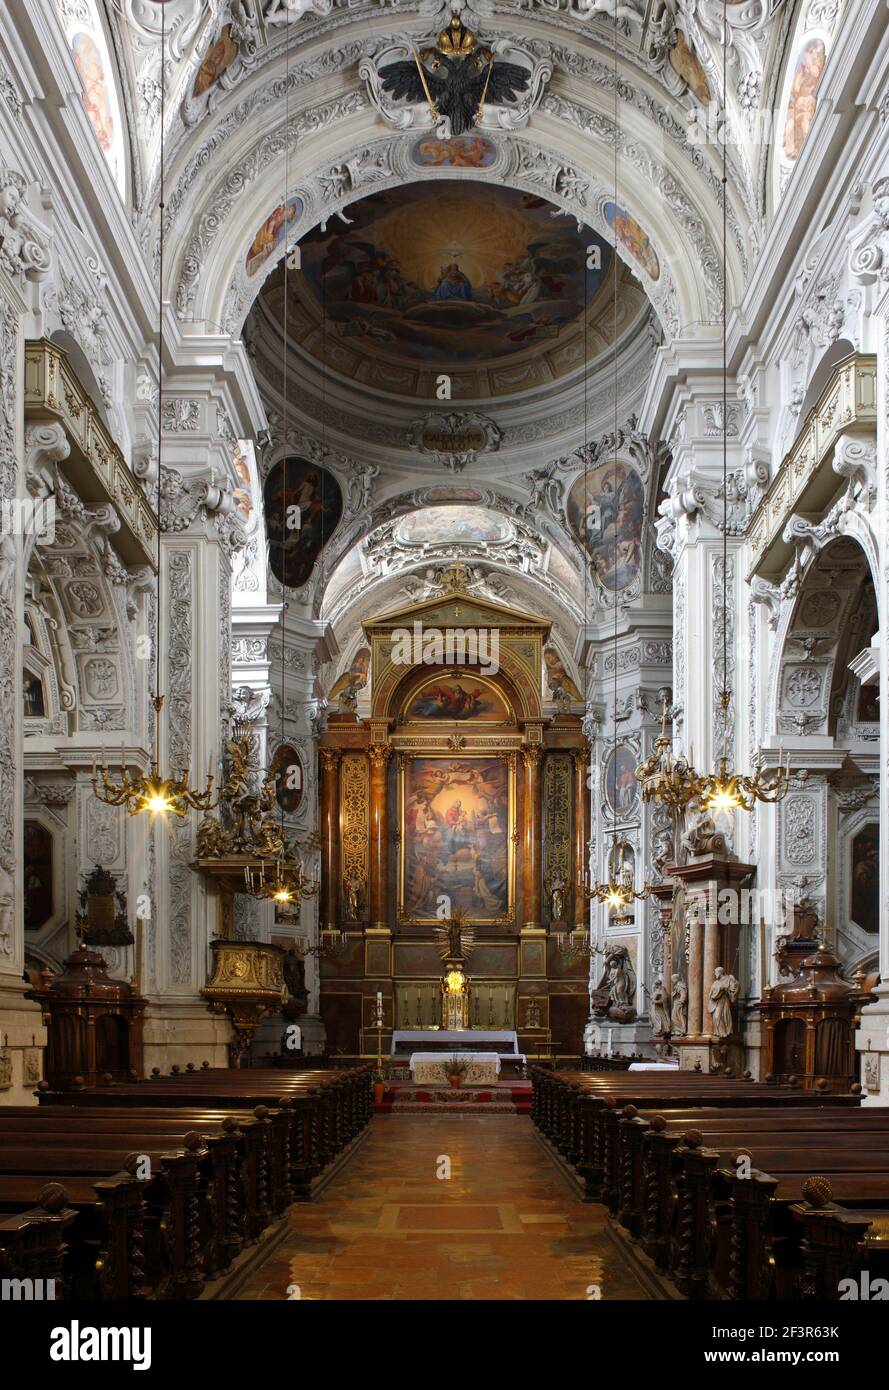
x,y
452,276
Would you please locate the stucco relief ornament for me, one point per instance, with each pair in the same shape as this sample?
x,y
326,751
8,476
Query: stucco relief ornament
x,y
288,11
455,85
24,242
243,28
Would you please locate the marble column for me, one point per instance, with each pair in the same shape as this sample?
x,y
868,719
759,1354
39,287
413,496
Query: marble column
x,y
330,837
695,976
379,755
711,960
532,759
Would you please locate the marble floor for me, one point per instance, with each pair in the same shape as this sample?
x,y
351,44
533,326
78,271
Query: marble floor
x,y
446,1208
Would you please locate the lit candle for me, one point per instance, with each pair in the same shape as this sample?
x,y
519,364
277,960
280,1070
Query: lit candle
x,y
609,1041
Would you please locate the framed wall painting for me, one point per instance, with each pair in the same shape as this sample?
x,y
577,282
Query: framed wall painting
x,y
456,817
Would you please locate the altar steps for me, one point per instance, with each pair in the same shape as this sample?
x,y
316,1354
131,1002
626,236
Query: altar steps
x,y
404,1098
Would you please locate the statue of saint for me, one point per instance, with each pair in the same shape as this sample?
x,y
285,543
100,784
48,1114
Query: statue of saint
x,y
723,993
679,1013
619,977
352,886
557,898
660,1013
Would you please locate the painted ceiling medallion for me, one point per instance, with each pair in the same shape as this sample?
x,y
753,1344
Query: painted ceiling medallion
x,y
458,84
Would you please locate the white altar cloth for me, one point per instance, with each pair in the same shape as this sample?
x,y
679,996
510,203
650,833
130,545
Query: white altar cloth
x,y
431,1068
455,1039
654,1066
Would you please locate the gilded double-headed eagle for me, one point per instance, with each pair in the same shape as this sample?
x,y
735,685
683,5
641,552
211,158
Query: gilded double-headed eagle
x,y
457,78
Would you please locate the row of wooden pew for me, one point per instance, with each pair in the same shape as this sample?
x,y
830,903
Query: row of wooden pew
x,y
148,1189
728,1188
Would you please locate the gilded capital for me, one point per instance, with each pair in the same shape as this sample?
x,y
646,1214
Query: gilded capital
x,y
379,754
330,759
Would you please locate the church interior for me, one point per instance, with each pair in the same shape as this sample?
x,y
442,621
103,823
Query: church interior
x,y
444,575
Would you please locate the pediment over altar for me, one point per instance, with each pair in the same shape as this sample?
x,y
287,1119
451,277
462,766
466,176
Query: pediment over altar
x,y
451,634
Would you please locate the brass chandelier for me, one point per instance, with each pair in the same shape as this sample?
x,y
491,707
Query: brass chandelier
x,y
152,793
281,880
618,894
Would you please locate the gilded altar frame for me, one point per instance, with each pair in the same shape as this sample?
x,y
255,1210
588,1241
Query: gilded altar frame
x,y
508,919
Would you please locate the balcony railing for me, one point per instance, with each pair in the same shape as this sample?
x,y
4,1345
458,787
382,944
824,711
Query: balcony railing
x,y
95,467
847,405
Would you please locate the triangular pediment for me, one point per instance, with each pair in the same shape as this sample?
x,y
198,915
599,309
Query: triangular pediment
x,y
457,609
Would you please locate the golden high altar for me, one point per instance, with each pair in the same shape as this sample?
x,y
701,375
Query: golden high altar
x,y
454,787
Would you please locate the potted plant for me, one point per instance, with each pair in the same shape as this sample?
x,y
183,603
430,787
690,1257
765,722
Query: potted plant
x,y
456,1068
380,1076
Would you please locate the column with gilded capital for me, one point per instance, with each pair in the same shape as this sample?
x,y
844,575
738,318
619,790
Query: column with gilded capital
x,y
330,836
532,758
378,756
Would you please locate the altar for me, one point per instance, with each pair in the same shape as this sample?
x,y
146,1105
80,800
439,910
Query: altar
x,y
503,1041
431,1068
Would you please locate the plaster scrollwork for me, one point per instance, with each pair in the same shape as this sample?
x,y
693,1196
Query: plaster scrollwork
x,y
243,28
180,680
288,11
24,240
85,317
233,187
10,92
45,446
820,320
182,21
421,116
456,425
723,648
770,595
181,414
204,500
250,704
856,459
869,255
360,486
547,490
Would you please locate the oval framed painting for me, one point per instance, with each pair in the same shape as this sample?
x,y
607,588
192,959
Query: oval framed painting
x,y
303,505
290,780
621,787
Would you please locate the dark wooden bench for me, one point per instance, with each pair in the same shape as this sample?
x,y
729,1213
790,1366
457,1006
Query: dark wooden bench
x,y
33,1243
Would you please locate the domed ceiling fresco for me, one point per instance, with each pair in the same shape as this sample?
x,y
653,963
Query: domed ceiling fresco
x,y
457,277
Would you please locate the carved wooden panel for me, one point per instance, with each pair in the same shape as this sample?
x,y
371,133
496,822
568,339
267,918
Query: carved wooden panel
x,y
354,825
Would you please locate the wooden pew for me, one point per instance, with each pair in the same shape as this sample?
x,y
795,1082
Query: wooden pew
x,y
325,1111
236,1174
682,1197
838,1244
33,1242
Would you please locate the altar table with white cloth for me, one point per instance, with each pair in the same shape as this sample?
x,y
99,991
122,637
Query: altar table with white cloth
x,y
506,1039
431,1068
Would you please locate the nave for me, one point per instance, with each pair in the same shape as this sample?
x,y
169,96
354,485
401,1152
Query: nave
x,y
504,1226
